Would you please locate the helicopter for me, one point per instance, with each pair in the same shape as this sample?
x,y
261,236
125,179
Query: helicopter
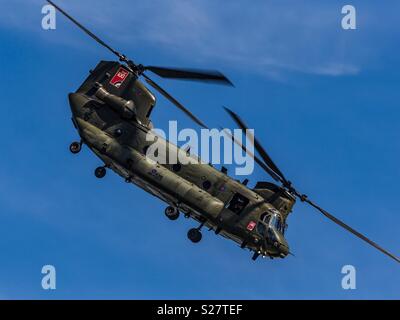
x,y
111,112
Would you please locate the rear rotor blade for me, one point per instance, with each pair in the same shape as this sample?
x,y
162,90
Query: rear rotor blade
x,y
88,32
348,228
264,155
190,74
174,101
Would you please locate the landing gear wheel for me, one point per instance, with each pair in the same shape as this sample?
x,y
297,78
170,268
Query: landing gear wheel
x,y
75,147
100,172
194,235
172,213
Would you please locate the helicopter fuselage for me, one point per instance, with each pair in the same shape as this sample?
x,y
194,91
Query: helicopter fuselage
x,y
200,191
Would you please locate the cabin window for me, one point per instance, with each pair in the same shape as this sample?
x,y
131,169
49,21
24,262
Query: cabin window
x,y
206,185
238,203
177,167
117,132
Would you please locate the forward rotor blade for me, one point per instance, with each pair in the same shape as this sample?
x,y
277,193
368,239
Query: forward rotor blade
x,y
174,101
256,159
190,74
270,164
88,32
350,229
264,155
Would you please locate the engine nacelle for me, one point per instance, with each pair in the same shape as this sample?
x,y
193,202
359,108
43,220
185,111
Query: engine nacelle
x,y
125,108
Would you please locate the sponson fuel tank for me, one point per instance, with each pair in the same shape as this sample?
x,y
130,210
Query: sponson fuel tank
x,y
151,172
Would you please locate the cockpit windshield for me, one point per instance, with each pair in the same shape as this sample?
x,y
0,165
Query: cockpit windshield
x,y
276,222
273,220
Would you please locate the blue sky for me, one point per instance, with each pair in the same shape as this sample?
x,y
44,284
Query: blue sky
x,y
324,102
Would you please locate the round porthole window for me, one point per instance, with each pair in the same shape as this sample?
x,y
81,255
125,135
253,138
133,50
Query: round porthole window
x,y
117,132
177,167
206,185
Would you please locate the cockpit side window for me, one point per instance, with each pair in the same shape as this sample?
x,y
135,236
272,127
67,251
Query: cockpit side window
x,y
266,218
263,223
276,221
238,203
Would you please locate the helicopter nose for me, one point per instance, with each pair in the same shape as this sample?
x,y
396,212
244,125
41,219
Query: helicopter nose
x,y
284,250
282,245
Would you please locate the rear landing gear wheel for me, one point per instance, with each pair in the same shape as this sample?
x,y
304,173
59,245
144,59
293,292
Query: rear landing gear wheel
x,y
100,172
75,147
172,213
194,235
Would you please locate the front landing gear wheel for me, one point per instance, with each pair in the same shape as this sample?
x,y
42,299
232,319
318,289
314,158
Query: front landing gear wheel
x,y
100,172
172,213
75,147
194,235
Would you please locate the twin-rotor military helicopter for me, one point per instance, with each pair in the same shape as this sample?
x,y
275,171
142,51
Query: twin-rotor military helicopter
x,y
111,111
